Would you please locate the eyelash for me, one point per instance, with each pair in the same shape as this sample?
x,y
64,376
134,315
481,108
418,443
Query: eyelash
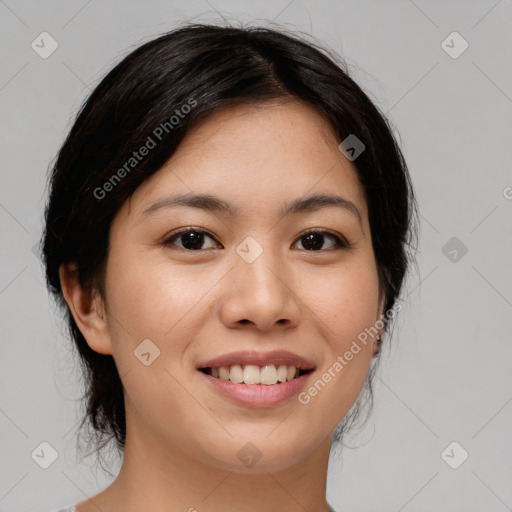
x,y
340,243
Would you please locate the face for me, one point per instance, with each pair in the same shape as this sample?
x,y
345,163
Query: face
x,y
255,272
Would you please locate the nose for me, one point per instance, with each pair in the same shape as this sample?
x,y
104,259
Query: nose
x,y
260,295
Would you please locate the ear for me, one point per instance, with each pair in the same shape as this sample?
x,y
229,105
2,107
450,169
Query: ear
x,y
88,312
378,339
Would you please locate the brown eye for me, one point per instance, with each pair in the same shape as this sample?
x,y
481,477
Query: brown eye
x,y
314,240
192,239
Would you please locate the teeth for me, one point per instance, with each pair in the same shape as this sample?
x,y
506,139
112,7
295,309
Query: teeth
x,y
252,374
223,373
236,374
268,374
282,372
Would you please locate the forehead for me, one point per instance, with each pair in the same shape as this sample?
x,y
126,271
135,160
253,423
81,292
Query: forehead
x,y
257,157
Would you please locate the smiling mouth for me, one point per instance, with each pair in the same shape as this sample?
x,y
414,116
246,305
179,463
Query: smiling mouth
x,y
251,374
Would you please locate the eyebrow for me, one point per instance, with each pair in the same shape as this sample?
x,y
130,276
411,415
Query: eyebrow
x,y
212,203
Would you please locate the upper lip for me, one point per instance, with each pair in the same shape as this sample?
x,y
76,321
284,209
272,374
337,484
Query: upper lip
x,y
259,359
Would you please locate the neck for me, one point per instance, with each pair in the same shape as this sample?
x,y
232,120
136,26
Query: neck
x,y
157,479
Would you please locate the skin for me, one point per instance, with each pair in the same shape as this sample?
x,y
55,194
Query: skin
x,y
182,437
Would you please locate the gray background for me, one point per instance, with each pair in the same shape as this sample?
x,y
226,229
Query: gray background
x,y
448,375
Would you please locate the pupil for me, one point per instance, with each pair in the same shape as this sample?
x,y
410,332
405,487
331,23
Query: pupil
x,y
192,240
311,238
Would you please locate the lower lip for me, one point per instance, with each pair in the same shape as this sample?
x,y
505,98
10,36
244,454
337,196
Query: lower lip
x,y
258,395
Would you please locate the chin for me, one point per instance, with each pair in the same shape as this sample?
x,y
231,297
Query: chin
x,y
259,454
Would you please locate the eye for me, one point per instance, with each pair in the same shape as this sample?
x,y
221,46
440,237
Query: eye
x,y
192,238
314,239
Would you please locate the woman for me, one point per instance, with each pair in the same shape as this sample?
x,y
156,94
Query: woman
x,y
227,231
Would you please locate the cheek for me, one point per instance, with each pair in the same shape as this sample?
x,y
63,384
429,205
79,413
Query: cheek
x,y
346,307
152,301
149,298
345,301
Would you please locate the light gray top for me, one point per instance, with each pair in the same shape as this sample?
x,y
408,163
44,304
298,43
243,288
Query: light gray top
x,y
71,508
